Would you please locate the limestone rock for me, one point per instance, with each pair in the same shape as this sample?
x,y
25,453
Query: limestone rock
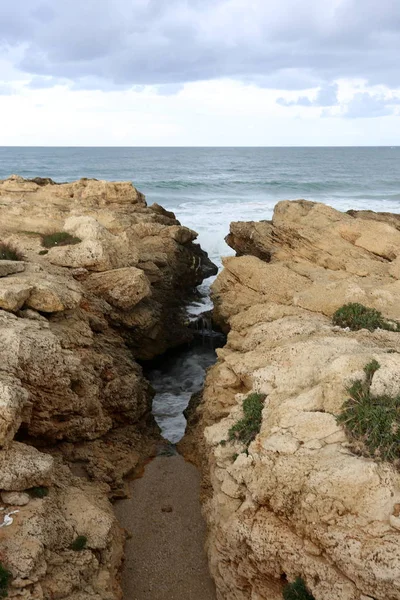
x,y
182,235
13,293
51,295
13,400
69,382
23,467
117,230
122,288
99,250
37,546
15,498
84,515
9,267
303,501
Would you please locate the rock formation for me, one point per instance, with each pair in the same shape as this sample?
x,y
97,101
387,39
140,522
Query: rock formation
x,y
302,500
102,281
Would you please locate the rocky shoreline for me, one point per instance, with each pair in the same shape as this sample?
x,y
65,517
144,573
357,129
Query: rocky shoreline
x,y
93,280
293,502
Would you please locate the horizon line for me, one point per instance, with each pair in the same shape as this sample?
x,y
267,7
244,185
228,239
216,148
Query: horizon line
x,y
204,146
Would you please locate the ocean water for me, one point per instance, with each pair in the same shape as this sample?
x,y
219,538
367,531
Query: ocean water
x,y
207,188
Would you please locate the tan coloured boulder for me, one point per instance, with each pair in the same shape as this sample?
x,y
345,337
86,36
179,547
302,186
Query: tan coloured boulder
x,y
13,400
10,267
15,498
13,293
23,467
37,546
122,288
83,513
99,250
50,294
182,235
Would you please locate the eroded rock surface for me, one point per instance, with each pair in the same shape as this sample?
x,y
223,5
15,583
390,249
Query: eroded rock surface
x,y
302,501
73,319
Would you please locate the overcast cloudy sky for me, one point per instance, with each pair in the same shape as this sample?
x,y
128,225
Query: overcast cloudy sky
x,y
200,72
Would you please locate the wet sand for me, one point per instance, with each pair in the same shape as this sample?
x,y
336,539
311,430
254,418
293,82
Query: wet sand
x,y
165,557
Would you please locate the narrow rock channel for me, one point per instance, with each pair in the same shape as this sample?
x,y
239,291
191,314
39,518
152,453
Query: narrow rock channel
x,y
165,557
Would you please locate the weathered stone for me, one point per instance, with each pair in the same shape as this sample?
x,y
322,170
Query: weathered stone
x,y
13,293
15,498
122,288
50,295
68,381
9,267
23,467
13,399
309,504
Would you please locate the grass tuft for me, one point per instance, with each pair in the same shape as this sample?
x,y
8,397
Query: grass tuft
x,y
59,238
79,543
38,491
297,591
357,316
5,578
372,421
9,252
247,428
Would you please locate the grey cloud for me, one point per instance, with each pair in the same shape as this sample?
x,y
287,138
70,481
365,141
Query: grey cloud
x,y
39,82
365,105
301,101
326,96
284,44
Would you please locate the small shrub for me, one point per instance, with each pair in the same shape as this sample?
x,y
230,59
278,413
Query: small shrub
x,y
9,252
39,491
357,316
59,238
5,578
372,421
79,543
247,428
297,591
43,252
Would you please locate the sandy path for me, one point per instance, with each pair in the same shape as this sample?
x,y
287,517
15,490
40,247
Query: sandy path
x,y
165,558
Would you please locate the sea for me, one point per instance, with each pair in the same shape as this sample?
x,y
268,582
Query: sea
x,y
207,188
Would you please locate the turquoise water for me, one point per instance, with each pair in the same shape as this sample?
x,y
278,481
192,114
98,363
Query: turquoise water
x,y
209,187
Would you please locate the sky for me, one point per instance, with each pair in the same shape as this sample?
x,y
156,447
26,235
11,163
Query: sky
x,y
199,72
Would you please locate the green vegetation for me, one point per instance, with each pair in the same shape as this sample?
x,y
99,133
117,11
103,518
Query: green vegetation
x,y
247,428
38,491
79,543
43,252
356,316
297,591
59,238
9,252
372,421
5,578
